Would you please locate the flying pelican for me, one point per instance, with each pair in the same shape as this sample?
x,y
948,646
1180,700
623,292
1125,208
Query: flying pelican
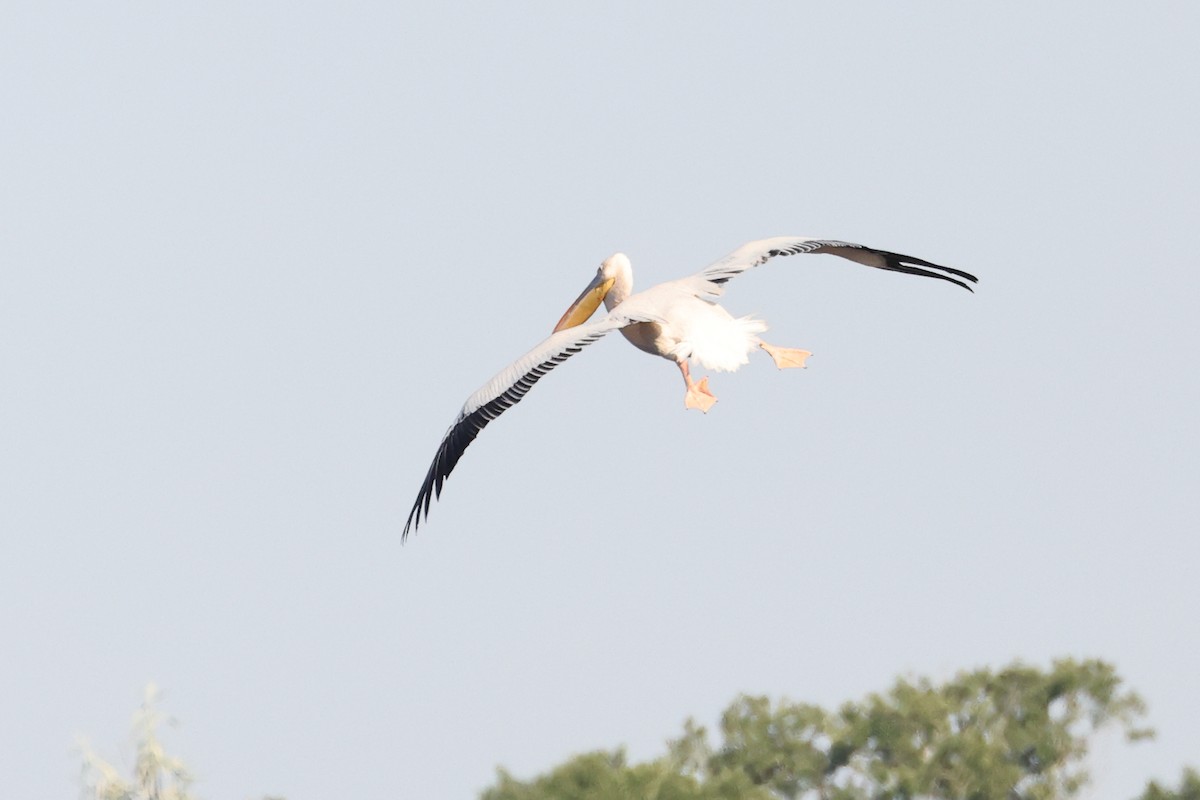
x,y
678,320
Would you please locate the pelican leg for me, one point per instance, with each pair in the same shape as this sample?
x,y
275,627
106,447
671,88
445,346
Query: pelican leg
x,y
698,395
785,357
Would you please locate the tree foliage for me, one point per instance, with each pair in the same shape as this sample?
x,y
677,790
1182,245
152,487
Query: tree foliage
x,y
1020,733
603,775
157,776
1189,789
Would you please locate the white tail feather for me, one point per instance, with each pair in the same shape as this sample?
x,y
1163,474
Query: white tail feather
x,y
720,342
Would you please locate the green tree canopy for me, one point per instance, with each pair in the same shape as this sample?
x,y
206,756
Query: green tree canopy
x,y
602,775
1189,789
1020,733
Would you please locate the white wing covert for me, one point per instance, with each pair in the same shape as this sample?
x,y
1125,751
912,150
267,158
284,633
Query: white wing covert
x,y
498,395
753,254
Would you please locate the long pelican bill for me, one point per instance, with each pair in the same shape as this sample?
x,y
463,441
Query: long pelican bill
x,y
586,304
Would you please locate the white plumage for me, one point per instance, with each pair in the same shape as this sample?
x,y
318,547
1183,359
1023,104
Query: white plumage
x,y
717,340
685,321
677,320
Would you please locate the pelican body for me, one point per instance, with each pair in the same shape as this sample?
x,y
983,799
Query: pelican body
x,y
682,324
678,320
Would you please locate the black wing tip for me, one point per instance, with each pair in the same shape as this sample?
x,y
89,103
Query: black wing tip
x,y
413,523
909,264
408,528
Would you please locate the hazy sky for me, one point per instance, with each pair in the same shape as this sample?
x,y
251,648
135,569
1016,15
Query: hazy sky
x,y
255,256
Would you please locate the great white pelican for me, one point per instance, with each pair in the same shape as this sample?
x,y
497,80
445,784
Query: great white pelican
x,y
678,320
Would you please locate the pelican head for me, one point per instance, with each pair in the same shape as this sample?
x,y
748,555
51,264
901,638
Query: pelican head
x,y
590,298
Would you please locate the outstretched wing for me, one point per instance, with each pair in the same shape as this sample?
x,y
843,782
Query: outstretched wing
x,y
498,395
752,254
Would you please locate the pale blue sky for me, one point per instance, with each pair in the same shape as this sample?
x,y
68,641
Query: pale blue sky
x,y
255,258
